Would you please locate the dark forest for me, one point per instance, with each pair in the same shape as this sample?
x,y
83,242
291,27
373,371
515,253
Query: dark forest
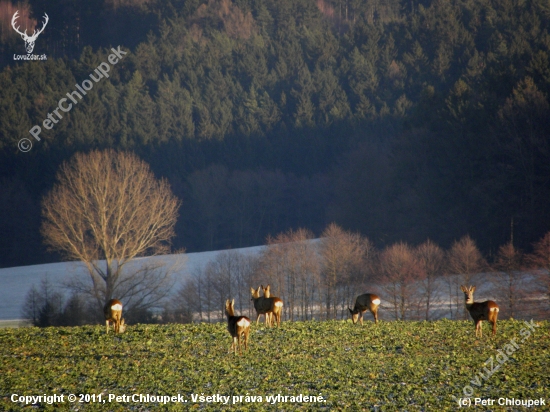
x,y
400,120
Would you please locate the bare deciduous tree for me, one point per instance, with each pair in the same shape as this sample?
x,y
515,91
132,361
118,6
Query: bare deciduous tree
x,y
184,303
540,261
399,268
509,281
106,209
247,267
305,263
464,260
343,255
43,306
272,270
291,260
431,261
228,271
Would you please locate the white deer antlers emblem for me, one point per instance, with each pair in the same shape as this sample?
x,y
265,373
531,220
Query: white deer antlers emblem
x,y
29,40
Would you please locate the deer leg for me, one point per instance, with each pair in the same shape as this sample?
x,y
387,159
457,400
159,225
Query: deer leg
x,y
494,322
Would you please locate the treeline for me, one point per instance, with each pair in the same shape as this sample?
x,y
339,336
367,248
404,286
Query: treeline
x,y
402,120
320,279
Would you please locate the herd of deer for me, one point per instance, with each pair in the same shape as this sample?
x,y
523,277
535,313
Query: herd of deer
x,y
272,307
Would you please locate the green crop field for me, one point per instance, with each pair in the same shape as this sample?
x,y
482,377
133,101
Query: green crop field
x,y
333,365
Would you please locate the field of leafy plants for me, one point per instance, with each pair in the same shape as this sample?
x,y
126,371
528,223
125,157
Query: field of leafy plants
x,y
332,365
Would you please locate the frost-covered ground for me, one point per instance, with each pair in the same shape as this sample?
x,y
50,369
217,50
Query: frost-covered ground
x,y
15,282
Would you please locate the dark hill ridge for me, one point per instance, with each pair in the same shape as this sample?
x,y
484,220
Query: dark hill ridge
x,y
403,120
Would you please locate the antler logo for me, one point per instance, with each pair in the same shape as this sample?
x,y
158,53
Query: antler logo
x,y
29,40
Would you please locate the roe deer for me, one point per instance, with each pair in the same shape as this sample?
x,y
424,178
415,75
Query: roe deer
x,y
365,302
113,314
278,309
479,311
238,326
265,306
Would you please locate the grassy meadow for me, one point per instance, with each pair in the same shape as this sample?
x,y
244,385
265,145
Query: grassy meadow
x,y
392,366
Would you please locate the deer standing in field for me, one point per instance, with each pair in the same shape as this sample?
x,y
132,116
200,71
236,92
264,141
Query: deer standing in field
x,y
267,306
479,311
238,326
113,314
365,302
278,309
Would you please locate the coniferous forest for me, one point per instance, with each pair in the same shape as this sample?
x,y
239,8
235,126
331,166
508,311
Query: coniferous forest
x,y
403,120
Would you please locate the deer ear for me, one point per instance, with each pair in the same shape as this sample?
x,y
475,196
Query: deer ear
x,y
233,302
463,288
252,290
473,289
350,311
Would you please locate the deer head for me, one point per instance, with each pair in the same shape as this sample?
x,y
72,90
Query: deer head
x,y
267,305
468,293
29,40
